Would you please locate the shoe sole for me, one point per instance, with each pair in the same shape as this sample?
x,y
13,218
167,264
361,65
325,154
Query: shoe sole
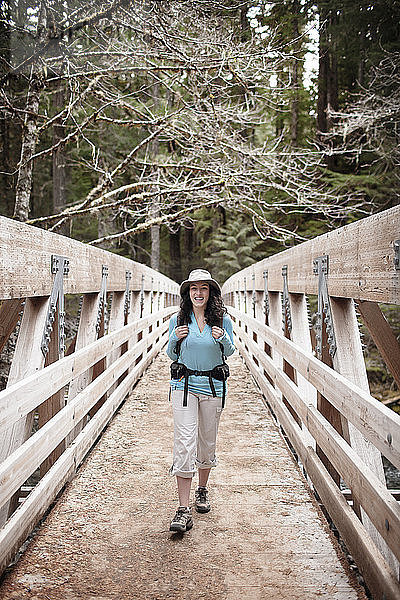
x,y
200,509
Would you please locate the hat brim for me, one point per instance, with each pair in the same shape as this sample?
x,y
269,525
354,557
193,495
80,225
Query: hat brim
x,y
186,284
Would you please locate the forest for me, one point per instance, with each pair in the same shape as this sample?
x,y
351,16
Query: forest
x,y
201,132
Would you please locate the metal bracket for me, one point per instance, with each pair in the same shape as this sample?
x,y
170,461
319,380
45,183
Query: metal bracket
x,y
245,294
253,295
266,297
286,313
238,296
396,246
102,306
59,268
142,297
151,295
127,301
321,268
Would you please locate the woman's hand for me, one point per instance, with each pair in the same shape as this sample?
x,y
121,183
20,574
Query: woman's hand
x,y
217,332
181,331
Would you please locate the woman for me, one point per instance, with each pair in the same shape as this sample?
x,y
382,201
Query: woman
x,y
199,338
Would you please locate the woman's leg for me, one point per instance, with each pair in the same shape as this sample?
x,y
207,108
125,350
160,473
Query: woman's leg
x,y
184,484
209,415
203,477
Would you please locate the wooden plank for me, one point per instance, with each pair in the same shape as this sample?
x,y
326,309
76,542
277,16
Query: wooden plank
x,y
55,402
85,336
376,499
23,521
357,268
300,335
25,395
372,565
9,316
375,570
25,264
28,359
24,460
117,321
370,416
383,336
349,362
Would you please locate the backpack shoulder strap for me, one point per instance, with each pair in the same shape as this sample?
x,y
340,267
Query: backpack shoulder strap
x,y
179,342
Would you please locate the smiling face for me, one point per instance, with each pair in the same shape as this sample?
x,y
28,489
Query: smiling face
x,y
199,293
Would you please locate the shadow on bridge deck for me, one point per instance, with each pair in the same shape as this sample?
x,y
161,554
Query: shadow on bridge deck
x,y
107,537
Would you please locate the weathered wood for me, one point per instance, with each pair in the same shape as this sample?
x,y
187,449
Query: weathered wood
x,y
357,268
50,407
25,459
370,416
117,321
383,336
329,411
34,389
23,520
349,361
380,505
372,565
9,316
375,570
28,359
25,261
301,336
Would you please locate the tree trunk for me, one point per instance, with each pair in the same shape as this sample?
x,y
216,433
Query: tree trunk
x,y
175,256
59,169
29,135
294,105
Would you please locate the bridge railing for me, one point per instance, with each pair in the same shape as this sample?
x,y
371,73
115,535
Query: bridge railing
x,y
58,399
315,379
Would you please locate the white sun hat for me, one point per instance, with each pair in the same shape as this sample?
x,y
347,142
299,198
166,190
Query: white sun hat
x,y
199,275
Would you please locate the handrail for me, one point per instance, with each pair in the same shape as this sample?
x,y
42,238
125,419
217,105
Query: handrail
x,y
77,394
316,383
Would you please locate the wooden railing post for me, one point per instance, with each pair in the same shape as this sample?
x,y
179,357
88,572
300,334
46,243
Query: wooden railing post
x,y
349,361
27,359
301,335
86,335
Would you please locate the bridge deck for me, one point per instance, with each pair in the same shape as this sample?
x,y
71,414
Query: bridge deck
x,y
107,537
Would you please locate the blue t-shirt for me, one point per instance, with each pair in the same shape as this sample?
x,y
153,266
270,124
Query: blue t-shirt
x,y
200,352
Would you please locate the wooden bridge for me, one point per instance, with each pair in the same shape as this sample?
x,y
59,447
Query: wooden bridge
x,y
107,536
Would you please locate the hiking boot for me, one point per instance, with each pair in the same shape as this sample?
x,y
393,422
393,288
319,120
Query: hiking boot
x,y
182,520
201,503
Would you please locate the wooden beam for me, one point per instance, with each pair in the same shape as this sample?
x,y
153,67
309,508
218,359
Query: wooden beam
x,y
25,395
375,570
9,316
24,460
300,335
23,521
349,362
357,268
357,405
383,336
28,359
25,259
117,321
380,505
55,402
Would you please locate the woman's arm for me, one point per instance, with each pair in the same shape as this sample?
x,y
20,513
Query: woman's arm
x,y
173,338
227,339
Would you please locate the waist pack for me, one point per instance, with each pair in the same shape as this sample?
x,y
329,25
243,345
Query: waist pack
x,y
180,371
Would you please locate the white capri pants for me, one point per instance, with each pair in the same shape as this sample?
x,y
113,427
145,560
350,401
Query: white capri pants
x,y
195,432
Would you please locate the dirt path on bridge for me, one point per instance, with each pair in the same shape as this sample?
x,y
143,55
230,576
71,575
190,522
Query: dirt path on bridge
x,y
107,537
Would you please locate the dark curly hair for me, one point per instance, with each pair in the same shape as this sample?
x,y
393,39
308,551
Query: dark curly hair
x,y
214,312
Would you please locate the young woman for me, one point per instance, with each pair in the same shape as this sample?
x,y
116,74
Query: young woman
x,y
199,338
